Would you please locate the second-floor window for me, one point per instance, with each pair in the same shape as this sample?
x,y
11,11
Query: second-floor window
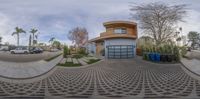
x,y
120,30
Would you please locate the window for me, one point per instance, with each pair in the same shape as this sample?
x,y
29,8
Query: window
x,y
120,30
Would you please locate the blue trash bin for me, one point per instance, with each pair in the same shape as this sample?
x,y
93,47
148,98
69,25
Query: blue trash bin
x,y
158,57
152,55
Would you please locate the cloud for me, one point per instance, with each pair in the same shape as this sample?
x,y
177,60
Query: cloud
x,y
192,22
54,18
5,28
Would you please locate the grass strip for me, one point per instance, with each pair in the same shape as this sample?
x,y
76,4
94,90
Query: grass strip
x,y
91,61
69,64
51,58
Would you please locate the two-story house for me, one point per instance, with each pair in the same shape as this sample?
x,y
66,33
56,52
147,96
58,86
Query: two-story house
x,y
119,40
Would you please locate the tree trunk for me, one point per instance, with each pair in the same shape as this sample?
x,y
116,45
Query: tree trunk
x,y
30,41
33,39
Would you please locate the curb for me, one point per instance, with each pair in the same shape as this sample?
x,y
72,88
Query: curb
x,y
189,72
28,78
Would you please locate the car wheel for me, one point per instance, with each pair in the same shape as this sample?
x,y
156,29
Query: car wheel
x,y
12,52
25,52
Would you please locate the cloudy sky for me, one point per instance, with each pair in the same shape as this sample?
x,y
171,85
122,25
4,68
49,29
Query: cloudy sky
x,y
54,18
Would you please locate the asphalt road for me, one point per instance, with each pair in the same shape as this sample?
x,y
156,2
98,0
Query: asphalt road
x,y
6,56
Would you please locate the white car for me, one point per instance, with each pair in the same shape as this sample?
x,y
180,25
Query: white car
x,y
20,50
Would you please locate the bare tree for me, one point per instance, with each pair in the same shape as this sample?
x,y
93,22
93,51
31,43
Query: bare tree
x,y
159,19
78,36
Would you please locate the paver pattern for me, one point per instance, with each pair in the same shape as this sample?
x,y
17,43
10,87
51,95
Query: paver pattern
x,y
110,79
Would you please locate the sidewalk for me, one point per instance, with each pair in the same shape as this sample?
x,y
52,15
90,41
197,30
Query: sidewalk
x,y
193,54
24,70
193,65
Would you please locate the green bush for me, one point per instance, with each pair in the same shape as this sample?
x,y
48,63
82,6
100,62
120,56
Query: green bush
x,y
183,51
77,56
65,51
82,51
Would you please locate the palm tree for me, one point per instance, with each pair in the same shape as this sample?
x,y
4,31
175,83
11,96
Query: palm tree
x,y
51,40
30,41
33,31
17,32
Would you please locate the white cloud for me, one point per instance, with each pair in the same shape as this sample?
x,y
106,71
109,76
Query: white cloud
x,y
57,17
192,22
5,29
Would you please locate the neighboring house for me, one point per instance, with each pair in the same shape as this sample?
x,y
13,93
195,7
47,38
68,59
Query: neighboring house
x,y
119,40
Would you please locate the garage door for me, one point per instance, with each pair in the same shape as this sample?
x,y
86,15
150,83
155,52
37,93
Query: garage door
x,y
120,51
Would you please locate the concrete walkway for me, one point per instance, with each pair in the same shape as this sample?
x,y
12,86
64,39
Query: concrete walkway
x,y
194,54
23,70
193,65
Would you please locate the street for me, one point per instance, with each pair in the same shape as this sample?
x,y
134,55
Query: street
x,y
6,56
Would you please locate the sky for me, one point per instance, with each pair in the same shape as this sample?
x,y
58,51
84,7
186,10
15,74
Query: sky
x,y
54,18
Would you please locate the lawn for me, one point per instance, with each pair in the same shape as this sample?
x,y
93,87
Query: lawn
x,y
69,64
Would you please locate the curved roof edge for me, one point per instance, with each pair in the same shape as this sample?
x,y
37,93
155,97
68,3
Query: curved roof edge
x,y
112,37
119,22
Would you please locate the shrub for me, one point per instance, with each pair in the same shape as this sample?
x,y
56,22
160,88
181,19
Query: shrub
x,y
78,56
176,53
82,51
65,51
183,51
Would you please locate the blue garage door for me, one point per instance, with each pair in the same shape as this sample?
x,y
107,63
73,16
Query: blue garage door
x,y
120,51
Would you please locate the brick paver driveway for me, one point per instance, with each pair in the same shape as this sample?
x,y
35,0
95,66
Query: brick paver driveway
x,y
126,79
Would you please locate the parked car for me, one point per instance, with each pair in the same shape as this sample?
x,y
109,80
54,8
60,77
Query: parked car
x,y
35,50
20,50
